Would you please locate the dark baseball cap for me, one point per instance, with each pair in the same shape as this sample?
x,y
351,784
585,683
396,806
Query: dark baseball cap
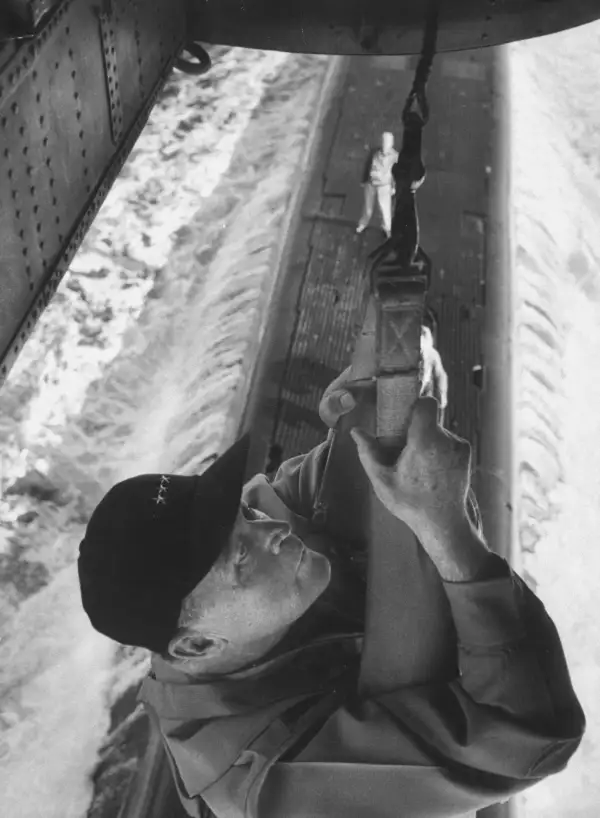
x,y
150,541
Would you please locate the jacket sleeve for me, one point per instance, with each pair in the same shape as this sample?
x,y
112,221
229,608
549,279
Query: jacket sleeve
x,y
510,714
509,719
297,479
512,711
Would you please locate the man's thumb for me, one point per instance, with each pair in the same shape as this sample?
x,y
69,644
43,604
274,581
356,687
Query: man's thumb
x,y
366,445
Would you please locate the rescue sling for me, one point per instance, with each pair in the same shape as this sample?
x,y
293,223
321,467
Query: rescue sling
x,y
406,603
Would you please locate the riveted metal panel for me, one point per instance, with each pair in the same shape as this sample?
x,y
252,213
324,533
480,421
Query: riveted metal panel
x,y
108,24
61,141
20,18
380,27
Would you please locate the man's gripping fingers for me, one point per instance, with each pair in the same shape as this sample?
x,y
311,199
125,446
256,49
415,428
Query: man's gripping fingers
x,y
424,420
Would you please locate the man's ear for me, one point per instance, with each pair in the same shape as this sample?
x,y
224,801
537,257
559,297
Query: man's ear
x,y
189,644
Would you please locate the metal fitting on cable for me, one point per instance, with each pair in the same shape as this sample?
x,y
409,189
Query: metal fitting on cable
x,y
197,68
401,248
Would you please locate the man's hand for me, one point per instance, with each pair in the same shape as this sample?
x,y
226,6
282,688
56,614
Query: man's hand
x,y
427,485
336,400
440,379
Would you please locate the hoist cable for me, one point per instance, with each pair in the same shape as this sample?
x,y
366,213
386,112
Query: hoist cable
x,y
418,91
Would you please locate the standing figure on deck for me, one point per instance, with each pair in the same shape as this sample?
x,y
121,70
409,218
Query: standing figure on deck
x,y
255,620
378,183
434,380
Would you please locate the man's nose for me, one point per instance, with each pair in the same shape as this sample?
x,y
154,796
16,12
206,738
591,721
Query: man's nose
x,y
276,532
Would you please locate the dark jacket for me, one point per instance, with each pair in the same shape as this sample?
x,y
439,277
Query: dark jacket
x,y
290,737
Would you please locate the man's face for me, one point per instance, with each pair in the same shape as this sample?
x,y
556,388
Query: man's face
x,y
387,142
267,580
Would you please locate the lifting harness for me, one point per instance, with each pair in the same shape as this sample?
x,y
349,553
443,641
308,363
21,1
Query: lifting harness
x,y
406,604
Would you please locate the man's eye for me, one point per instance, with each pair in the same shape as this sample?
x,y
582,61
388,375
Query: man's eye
x,y
242,554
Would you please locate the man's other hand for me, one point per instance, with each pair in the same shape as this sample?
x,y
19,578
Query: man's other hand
x,y
336,400
430,480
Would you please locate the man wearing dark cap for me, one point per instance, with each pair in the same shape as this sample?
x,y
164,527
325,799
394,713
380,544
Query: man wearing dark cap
x,y
256,622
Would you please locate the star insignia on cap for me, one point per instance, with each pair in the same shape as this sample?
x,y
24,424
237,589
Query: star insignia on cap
x,y
162,488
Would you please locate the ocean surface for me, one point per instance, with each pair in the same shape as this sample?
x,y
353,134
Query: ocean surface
x,y
135,366
139,365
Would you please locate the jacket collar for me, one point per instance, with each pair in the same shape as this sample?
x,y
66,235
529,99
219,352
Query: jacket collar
x,y
316,667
